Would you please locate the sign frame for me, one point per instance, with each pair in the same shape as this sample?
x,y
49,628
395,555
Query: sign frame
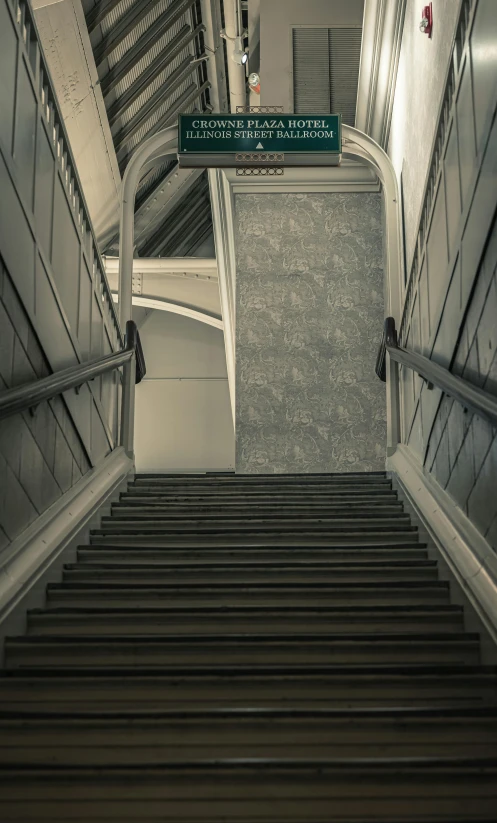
x,y
247,156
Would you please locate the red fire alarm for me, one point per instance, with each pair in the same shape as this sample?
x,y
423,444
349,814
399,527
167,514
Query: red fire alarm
x,y
426,24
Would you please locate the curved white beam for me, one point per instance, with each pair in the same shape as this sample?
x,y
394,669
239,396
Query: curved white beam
x,y
359,146
174,308
163,143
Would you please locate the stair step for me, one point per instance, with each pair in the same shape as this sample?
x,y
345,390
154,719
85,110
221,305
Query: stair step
x,y
393,789
247,574
135,503
229,476
234,620
254,554
261,649
73,688
258,499
161,516
117,650
258,513
380,486
289,542
192,526
255,541
411,592
302,495
148,736
268,483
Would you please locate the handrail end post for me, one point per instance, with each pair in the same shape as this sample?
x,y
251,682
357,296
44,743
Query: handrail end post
x,y
128,406
390,333
131,335
393,404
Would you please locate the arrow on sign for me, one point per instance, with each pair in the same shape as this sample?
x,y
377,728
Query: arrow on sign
x,y
259,146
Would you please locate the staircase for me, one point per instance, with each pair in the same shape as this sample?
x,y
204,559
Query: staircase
x,y
249,648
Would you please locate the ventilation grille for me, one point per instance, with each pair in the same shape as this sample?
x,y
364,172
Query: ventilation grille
x,y
326,71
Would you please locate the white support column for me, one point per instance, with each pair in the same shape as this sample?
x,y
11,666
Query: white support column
x,y
222,220
163,143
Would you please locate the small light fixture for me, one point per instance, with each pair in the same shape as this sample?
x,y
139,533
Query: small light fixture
x,y
239,55
254,82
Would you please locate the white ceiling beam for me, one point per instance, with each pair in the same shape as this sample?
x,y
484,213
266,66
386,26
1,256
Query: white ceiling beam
x,y
203,266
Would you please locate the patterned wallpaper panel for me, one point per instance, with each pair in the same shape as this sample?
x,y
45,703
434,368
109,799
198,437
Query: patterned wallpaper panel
x,y
309,320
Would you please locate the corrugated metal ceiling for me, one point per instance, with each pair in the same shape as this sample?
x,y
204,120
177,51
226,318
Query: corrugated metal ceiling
x,y
145,52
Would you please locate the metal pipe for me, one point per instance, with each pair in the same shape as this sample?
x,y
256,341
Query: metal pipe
x,y
236,73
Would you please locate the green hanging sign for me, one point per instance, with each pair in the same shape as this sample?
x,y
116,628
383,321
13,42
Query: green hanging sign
x,y
248,139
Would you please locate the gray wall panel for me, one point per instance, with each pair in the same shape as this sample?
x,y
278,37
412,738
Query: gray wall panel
x,y
436,254
25,134
466,131
97,329
44,191
452,186
45,240
35,449
66,255
8,64
58,346
85,307
17,244
458,448
309,305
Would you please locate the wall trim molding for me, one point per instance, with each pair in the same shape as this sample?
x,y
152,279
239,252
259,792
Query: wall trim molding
x,y
29,555
466,551
349,176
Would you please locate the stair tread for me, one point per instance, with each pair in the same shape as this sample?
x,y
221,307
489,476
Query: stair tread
x,y
375,765
235,670
263,566
406,584
442,608
248,713
251,637
243,642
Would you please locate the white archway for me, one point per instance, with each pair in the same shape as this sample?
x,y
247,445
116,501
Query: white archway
x,y
355,146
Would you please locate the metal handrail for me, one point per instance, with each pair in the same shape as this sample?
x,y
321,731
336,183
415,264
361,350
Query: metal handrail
x,y
476,400
31,395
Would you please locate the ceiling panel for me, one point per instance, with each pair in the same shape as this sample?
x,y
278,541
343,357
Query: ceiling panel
x,y
147,54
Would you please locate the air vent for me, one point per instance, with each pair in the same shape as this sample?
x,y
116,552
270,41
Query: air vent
x,y
326,71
